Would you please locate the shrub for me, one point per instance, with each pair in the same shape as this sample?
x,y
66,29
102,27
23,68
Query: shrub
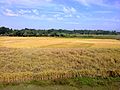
x,y
118,37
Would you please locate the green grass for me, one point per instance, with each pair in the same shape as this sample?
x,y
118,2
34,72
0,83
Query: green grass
x,y
74,82
81,82
93,36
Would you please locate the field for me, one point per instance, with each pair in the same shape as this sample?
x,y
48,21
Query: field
x,y
52,42
25,59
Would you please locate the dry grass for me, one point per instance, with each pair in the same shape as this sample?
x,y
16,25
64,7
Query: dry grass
x,y
19,65
49,42
21,60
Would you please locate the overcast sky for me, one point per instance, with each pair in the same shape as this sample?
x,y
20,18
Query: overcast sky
x,y
64,14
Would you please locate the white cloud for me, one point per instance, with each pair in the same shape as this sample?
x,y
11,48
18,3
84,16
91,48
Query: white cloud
x,y
69,10
35,11
68,15
103,12
21,11
89,2
26,2
78,16
9,12
69,22
58,17
40,17
73,10
104,3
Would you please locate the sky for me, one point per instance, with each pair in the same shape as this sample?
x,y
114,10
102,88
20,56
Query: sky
x,y
60,14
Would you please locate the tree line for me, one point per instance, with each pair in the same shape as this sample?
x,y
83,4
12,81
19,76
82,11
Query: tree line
x,y
4,31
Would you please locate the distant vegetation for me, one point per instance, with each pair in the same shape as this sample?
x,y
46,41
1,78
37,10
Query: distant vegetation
x,y
59,33
118,37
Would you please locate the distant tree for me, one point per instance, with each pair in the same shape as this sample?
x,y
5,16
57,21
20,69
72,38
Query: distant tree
x,y
25,34
54,32
4,30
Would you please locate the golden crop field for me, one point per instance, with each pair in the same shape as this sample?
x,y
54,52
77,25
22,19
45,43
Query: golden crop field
x,y
51,42
23,59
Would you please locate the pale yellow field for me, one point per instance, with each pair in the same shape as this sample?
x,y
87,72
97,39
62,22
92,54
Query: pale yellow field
x,y
49,42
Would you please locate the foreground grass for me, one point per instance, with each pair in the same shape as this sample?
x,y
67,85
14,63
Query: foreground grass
x,y
82,83
24,65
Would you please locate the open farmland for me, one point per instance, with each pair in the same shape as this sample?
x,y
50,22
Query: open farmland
x,y
24,59
51,42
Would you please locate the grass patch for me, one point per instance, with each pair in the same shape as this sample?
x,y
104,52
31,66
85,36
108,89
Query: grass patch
x,y
74,82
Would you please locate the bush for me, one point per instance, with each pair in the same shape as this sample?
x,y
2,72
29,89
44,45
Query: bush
x,y
118,37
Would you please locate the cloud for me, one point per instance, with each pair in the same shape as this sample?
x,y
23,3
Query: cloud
x,y
35,11
58,17
68,15
25,2
30,14
69,22
21,11
103,12
93,2
69,10
9,12
103,3
40,17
